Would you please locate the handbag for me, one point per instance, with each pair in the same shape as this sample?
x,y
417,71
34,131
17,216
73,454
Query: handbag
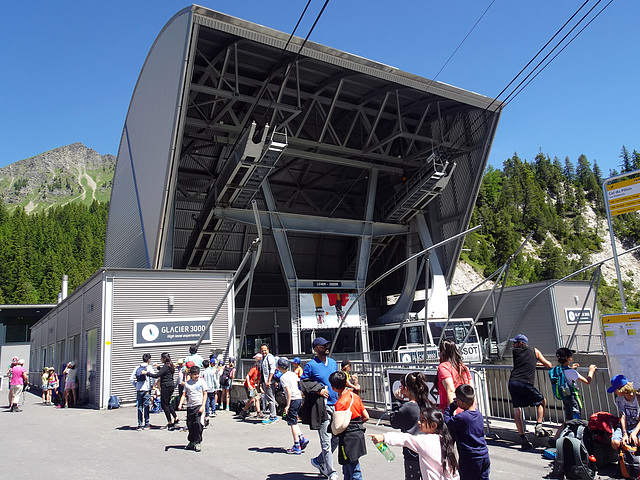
x,y
341,419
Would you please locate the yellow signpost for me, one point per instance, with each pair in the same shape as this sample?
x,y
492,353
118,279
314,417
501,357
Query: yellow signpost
x,y
624,197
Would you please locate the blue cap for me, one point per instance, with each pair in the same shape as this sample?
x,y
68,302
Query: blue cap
x,y
519,338
297,360
320,341
617,382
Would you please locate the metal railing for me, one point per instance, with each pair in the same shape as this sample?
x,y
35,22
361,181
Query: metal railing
x,y
494,380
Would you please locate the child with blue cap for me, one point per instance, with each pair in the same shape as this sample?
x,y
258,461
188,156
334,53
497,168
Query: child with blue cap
x,y
628,409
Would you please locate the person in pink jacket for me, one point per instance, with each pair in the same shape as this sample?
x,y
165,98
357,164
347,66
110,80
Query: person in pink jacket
x,y
434,445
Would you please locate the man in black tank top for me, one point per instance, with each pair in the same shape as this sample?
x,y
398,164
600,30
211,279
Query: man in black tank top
x,y
523,392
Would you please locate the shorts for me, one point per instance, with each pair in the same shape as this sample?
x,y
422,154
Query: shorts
x,y
617,434
45,387
252,392
225,387
524,394
292,414
571,408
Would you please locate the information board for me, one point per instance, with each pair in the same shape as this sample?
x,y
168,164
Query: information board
x,y
621,333
624,197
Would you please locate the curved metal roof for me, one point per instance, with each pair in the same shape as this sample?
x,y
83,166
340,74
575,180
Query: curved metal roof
x,y
313,134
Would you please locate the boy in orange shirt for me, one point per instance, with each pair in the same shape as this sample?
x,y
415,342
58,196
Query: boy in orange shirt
x,y
352,444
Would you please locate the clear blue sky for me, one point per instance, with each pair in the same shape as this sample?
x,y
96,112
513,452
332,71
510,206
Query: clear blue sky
x,y
69,67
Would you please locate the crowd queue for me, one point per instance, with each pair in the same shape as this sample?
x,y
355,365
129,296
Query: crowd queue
x,y
443,441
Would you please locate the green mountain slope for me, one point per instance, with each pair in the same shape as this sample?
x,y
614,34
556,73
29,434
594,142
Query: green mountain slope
x,y
73,173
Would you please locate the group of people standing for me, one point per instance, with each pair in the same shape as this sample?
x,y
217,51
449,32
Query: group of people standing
x,y
50,386
203,387
430,434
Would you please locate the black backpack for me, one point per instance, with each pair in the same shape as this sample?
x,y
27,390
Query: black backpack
x,y
225,381
574,447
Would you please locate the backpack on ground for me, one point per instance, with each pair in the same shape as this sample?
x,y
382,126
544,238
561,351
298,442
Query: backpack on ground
x,y
574,459
629,461
113,402
225,377
602,426
141,377
559,385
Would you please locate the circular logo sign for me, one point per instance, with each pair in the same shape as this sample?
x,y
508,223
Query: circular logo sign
x,y
150,332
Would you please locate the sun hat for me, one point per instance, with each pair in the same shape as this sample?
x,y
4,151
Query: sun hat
x,y
617,382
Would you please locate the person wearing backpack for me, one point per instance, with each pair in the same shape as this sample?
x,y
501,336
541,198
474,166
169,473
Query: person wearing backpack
x,y
142,382
226,380
563,382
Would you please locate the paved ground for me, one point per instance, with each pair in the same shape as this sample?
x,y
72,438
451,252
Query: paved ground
x,y
86,444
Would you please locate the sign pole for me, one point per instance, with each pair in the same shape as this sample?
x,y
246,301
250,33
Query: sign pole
x,y
620,197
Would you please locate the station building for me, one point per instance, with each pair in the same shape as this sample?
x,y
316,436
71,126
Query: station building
x,y
352,166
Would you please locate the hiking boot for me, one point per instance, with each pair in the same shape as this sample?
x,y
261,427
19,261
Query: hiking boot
x,y
190,446
526,445
294,450
303,443
197,447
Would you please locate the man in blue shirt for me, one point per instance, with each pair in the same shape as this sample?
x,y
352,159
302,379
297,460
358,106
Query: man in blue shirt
x,y
315,377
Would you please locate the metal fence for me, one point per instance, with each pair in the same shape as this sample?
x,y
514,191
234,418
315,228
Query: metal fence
x,y
491,381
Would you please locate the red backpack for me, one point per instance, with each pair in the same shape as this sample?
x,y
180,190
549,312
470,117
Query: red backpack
x,y
603,424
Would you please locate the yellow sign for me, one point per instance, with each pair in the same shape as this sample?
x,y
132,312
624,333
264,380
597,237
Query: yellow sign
x,y
624,197
622,344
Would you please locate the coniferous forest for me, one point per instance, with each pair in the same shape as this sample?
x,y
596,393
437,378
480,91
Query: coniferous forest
x,y
37,249
560,202
553,200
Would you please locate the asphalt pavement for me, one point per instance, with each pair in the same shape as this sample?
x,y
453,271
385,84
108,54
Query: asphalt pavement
x,y
78,443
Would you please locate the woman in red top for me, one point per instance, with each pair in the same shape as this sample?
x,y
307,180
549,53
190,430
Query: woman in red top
x,y
452,373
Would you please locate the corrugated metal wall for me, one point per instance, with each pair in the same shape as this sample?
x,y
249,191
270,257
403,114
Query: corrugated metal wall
x,y
147,147
138,297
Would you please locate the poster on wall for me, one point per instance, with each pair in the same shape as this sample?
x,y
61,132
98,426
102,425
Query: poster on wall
x,y
169,332
621,333
326,310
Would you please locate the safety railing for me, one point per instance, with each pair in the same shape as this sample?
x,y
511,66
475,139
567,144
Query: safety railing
x,y
492,384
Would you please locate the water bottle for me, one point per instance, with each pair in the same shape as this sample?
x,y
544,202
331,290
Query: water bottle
x,y
386,451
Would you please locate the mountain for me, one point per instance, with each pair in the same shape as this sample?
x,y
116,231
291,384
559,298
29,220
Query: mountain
x,y
57,177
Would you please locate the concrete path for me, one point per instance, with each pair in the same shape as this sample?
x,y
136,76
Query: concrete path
x,y
86,444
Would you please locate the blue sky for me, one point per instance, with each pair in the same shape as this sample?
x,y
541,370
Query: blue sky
x,y
69,67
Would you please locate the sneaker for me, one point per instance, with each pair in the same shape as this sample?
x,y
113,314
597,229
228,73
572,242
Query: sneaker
x,y
303,443
333,476
139,427
176,422
213,414
147,426
270,420
197,447
17,409
318,465
541,431
294,450
190,446
206,422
